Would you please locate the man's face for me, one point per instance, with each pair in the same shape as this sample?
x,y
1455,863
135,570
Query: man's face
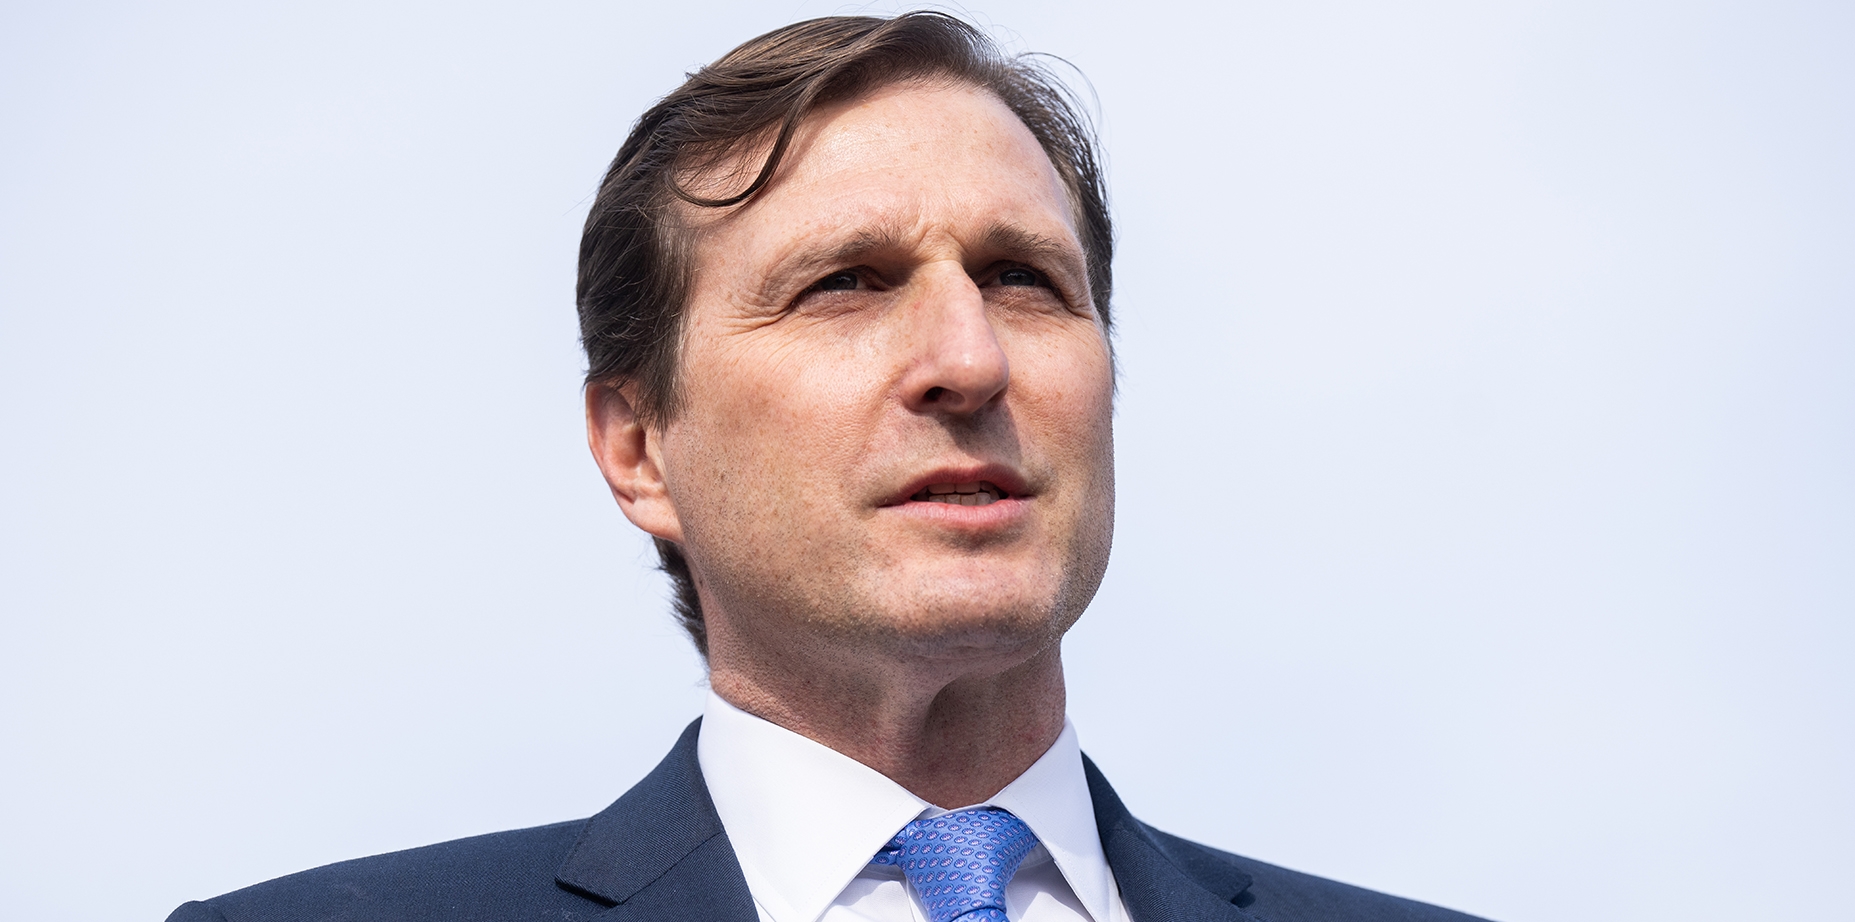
x,y
902,317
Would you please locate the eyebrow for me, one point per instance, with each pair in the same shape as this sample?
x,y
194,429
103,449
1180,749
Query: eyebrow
x,y
1034,247
808,261
1062,261
1006,241
857,248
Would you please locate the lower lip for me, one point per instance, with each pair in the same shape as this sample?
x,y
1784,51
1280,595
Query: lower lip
x,y
991,515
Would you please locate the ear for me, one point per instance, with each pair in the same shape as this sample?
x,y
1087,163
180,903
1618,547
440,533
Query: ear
x,y
630,456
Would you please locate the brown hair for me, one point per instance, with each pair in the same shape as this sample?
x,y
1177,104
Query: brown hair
x,y
634,254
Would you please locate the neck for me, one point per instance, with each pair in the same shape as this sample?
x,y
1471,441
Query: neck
x,y
954,734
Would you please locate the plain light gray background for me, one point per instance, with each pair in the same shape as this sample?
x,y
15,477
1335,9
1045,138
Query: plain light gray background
x,y
1485,441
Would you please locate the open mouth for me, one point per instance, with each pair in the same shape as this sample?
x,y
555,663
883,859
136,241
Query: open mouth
x,y
977,493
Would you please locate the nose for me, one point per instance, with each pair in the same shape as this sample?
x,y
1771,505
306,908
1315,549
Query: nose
x,y
959,364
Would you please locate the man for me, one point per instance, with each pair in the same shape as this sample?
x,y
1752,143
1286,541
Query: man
x,y
844,297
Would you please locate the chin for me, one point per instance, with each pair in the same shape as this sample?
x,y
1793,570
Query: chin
x,y
955,625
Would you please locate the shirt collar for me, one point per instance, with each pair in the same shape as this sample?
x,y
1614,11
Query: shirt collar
x,y
1052,797
804,819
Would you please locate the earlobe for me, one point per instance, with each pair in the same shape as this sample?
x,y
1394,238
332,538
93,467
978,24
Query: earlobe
x,y
628,454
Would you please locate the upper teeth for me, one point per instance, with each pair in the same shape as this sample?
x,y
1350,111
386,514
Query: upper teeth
x,y
977,493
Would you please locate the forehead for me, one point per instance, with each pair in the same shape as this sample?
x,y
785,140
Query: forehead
x,y
909,161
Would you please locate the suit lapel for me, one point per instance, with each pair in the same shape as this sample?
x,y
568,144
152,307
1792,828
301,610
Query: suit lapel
x,y
1162,879
659,852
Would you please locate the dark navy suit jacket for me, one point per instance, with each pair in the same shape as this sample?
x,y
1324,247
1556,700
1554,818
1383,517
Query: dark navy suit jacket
x,y
659,854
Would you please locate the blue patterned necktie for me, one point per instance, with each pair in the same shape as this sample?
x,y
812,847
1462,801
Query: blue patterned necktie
x,y
960,862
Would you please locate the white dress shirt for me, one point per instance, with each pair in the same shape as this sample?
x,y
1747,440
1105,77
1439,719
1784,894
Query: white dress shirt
x,y
805,820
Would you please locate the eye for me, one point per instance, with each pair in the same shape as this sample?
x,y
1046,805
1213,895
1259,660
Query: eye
x,y
1019,277
839,281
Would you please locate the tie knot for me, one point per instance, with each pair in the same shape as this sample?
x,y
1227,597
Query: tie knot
x,y
960,862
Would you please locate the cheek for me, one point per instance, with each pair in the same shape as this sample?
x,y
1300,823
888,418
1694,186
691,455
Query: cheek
x,y
1070,382
1069,399
768,418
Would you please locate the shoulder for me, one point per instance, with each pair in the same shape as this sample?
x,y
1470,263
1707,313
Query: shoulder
x,y
659,848
1278,894
1162,876
501,876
